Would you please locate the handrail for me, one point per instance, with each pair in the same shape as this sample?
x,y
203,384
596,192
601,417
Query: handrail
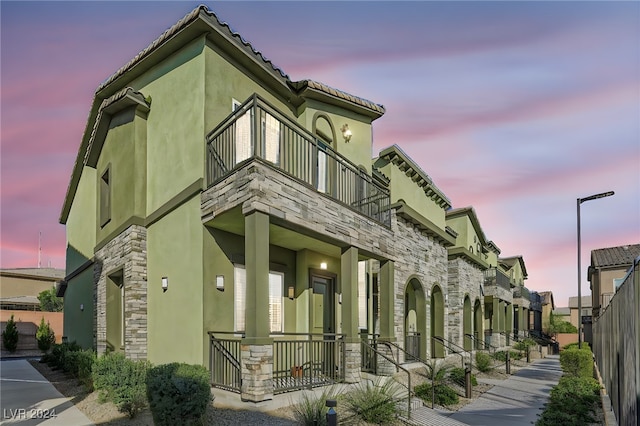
x,y
398,348
482,342
449,345
398,366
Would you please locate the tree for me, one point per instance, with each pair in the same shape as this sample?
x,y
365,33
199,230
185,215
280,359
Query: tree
x,y
49,302
45,336
556,325
10,336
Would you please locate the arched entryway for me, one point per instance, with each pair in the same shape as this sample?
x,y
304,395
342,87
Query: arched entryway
x,y
466,324
437,322
477,323
415,319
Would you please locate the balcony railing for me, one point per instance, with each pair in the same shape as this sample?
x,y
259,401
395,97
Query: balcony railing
x,y
521,292
493,277
258,130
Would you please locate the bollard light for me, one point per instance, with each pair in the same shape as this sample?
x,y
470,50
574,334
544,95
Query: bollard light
x,y
332,416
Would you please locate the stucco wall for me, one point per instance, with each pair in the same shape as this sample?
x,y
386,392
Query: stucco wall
x,y
27,324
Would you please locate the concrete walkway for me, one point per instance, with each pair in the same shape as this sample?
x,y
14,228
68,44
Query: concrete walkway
x,y
518,400
27,398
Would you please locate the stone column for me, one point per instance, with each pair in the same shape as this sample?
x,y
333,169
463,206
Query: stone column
x,y
257,346
349,284
387,301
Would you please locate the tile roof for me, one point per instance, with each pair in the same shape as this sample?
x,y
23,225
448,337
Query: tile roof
x,y
586,302
52,273
615,256
248,49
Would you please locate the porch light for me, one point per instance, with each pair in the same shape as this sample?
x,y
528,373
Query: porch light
x,y
291,292
220,282
340,298
346,132
323,265
82,307
165,284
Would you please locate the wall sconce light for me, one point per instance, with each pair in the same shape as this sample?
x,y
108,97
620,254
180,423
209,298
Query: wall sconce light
x,y
340,298
165,284
220,282
82,307
323,265
291,292
346,132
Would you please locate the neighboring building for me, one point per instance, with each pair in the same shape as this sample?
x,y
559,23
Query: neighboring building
x,y
19,288
548,306
563,314
517,272
607,271
220,213
587,309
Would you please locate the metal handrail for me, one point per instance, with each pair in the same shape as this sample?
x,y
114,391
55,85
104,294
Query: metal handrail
x,y
398,367
482,342
449,345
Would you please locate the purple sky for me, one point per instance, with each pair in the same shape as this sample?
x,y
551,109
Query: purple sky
x,y
516,109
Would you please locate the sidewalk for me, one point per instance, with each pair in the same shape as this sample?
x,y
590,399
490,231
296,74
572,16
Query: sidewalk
x,y
517,400
27,398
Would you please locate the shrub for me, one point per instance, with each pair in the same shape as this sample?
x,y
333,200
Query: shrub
x,y
373,403
585,345
571,403
483,361
10,335
45,336
81,363
457,376
442,394
311,410
122,381
178,393
577,362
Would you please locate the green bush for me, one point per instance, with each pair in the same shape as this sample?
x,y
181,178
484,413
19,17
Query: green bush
x,y
457,376
444,395
577,362
10,335
311,410
585,345
178,393
483,362
122,381
45,336
372,403
572,402
81,365
58,357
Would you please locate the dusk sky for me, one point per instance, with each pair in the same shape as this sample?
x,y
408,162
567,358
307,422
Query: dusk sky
x,y
514,108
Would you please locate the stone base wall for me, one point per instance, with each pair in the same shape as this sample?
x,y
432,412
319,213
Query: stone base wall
x,y
352,361
126,252
257,372
464,279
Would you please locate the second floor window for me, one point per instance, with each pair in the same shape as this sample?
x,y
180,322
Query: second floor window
x,y
105,197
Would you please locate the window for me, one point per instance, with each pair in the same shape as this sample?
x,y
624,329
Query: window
x,y
105,197
276,291
271,138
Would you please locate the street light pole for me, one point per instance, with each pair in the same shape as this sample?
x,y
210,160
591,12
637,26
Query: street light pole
x,y
578,202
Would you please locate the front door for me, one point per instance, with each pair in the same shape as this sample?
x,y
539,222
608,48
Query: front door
x,y
323,301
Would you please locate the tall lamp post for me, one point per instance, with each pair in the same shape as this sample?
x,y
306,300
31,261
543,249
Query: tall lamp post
x,y
580,201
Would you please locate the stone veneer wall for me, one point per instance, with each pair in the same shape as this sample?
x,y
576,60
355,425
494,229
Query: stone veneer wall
x,y
127,251
465,278
257,372
421,256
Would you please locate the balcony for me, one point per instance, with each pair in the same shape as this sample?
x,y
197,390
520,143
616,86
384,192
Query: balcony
x,y
258,130
494,277
521,292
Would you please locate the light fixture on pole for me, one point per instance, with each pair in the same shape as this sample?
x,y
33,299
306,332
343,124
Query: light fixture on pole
x,y
578,202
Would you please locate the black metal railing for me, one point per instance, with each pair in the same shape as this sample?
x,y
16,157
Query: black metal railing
x,y
493,277
480,344
224,361
258,130
306,360
453,348
368,358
